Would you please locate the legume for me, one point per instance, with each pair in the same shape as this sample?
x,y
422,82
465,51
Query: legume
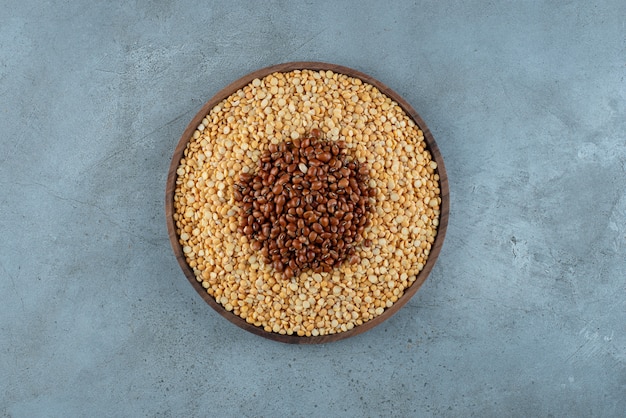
x,y
404,206
311,217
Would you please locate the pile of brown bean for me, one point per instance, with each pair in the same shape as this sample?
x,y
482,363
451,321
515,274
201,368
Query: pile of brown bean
x,y
404,210
306,207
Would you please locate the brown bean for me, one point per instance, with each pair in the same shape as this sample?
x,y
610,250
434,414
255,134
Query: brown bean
x,y
288,273
316,185
277,189
293,203
283,179
245,177
325,157
280,241
280,200
293,264
305,206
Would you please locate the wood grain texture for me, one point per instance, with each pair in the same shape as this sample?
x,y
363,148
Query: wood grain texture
x,y
233,87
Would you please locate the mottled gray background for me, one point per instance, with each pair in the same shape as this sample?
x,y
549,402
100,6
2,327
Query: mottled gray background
x,y
524,314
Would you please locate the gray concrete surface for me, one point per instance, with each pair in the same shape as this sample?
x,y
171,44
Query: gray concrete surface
x,y
524,314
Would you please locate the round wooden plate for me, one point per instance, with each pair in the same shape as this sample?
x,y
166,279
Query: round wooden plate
x,y
232,88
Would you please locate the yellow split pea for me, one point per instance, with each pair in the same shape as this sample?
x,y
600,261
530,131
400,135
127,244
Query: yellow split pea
x,y
284,106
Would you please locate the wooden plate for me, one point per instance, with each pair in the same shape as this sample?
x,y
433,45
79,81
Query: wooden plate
x,y
230,89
